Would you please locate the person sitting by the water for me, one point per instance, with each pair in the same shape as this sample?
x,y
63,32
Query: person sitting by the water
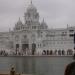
x,y
70,69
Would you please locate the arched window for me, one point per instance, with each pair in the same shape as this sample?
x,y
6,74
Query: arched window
x,y
44,52
69,52
59,52
63,52
51,52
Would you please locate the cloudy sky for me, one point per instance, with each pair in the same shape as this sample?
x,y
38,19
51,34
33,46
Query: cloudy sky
x,y
57,13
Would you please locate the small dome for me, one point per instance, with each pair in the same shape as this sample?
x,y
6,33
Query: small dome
x,y
43,23
19,22
18,25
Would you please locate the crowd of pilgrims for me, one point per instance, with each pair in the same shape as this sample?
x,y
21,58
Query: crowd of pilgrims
x,y
45,52
3,53
57,52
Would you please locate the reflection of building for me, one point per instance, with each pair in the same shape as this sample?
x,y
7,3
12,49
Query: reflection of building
x,y
35,36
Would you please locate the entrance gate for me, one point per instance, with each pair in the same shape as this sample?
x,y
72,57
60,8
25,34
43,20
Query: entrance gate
x,y
25,46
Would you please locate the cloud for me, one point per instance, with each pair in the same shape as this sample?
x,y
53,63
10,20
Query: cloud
x,y
57,13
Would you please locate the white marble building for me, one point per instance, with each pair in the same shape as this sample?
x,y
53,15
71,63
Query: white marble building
x,y
33,37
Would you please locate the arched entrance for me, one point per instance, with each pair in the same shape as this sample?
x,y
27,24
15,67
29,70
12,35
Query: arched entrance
x,y
69,52
59,52
51,52
25,45
44,52
63,52
25,48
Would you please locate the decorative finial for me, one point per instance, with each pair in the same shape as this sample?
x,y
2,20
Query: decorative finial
x,y
9,29
31,1
43,19
19,18
67,25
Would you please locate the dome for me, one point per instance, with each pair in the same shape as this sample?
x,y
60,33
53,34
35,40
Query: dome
x,y
43,23
31,7
19,22
18,25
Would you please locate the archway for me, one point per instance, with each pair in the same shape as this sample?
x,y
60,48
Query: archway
x,y
69,52
51,52
63,52
59,52
25,47
44,52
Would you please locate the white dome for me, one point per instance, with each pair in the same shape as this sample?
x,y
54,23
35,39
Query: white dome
x,y
19,22
43,23
31,7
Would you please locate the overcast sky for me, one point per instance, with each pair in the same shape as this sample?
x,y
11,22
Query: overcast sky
x,y
57,13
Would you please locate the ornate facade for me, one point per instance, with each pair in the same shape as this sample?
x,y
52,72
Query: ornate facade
x,y
33,37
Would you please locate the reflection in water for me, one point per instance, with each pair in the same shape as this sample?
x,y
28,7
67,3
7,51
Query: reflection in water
x,y
36,65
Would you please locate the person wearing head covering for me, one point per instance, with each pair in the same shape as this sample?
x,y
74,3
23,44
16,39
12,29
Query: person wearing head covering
x,y
70,69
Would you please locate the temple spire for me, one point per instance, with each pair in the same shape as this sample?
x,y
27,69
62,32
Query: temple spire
x,y
19,18
31,1
43,19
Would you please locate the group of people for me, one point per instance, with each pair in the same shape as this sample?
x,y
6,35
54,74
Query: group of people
x,y
3,53
44,52
57,52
